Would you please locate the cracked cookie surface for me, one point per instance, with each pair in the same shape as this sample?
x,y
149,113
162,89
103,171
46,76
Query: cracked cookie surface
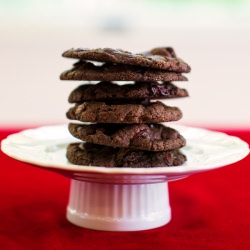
x,y
89,154
163,58
101,112
138,90
150,137
117,72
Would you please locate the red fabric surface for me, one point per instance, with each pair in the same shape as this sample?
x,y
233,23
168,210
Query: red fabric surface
x,y
210,210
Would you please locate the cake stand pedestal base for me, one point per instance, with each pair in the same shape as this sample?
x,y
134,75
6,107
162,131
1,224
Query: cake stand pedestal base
x,y
118,207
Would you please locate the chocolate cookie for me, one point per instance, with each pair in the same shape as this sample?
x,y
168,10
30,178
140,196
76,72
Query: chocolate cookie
x,y
158,58
89,154
139,90
123,113
150,137
117,72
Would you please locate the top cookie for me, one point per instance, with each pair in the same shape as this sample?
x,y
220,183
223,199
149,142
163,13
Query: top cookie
x,y
157,58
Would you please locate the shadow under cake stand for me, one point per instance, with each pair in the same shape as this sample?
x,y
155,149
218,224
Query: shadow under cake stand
x,y
121,199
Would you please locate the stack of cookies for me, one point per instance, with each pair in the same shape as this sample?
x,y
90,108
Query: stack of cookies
x,y
118,110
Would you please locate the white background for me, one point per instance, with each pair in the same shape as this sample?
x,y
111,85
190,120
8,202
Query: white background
x,y
213,39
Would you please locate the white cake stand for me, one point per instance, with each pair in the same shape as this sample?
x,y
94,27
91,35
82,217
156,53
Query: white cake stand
x,y
121,199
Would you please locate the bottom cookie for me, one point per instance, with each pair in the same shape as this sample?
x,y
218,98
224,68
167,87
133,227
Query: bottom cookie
x,y
89,154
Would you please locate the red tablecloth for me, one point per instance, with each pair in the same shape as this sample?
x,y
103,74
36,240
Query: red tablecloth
x,y
210,210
